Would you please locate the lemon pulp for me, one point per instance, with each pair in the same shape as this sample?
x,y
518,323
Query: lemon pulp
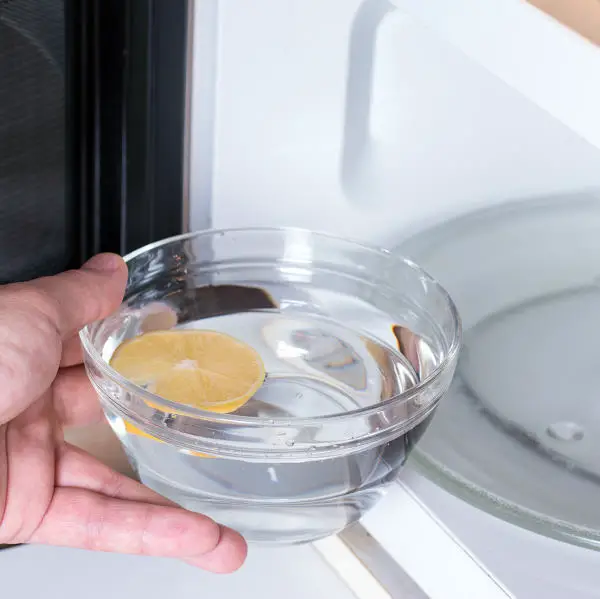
x,y
203,369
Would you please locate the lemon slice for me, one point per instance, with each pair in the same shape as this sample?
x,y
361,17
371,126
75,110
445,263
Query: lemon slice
x,y
202,369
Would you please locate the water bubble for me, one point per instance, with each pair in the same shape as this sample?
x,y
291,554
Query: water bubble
x,y
312,448
290,443
565,431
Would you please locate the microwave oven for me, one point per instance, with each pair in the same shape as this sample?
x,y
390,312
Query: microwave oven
x,y
127,121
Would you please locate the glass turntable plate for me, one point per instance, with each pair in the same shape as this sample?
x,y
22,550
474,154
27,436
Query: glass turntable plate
x,y
519,433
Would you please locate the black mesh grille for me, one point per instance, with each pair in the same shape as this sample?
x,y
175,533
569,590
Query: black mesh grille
x,y
33,212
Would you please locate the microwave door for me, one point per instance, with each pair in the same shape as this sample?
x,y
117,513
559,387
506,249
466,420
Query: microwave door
x,y
128,89
37,231
93,105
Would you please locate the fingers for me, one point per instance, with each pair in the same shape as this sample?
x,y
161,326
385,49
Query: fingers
x,y
76,468
36,317
86,520
29,471
75,401
30,351
72,352
231,550
78,297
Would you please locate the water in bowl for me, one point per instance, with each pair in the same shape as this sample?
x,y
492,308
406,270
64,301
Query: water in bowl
x,y
325,353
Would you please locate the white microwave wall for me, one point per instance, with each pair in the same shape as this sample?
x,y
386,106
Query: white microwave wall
x,y
351,117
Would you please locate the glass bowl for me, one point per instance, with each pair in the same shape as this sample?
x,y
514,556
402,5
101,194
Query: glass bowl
x,y
359,346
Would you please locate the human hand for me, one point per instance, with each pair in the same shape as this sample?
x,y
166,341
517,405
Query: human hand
x,y
50,491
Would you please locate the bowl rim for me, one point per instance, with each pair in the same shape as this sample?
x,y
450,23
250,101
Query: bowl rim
x,y
231,419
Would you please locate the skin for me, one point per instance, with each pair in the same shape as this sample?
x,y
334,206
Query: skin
x,y
51,492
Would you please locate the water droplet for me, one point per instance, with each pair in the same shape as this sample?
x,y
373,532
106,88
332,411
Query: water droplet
x,y
299,395
312,448
565,431
290,443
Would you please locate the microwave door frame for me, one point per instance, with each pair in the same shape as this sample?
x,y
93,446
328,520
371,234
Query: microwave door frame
x,y
127,89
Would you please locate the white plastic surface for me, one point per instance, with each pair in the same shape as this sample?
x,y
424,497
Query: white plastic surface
x,y
531,566
536,55
428,552
293,573
356,576
363,122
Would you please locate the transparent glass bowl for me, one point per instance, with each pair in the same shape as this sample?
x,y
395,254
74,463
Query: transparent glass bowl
x,y
359,347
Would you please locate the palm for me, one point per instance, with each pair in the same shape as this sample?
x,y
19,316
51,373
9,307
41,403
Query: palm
x,y
51,492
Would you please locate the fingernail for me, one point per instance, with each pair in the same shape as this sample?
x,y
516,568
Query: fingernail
x,y
104,263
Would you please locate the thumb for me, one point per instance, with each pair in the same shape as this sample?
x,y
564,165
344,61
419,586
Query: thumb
x,y
36,317
78,297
